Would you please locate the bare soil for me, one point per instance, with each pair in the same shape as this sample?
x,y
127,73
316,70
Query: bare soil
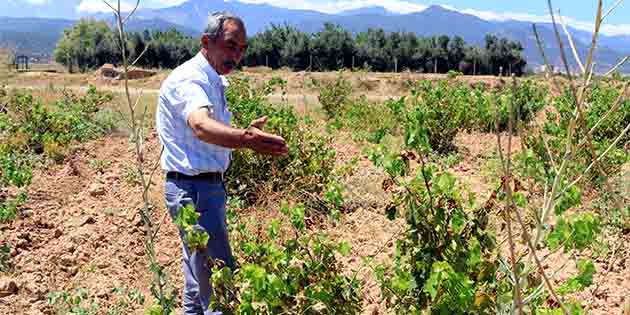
x,y
81,227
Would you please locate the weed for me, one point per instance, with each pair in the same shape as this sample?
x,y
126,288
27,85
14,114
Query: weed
x,y
77,302
9,207
5,258
100,166
130,175
126,300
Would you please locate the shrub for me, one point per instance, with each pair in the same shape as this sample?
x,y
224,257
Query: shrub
x,y
334,95
304,172
438,110
367,120
556,126
70,119
30,130
452,74
285,275
443,262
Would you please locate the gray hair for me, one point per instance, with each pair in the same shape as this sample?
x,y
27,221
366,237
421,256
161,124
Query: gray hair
x,y
216,21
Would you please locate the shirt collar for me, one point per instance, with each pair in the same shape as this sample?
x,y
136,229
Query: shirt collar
x,y
213,75
204,65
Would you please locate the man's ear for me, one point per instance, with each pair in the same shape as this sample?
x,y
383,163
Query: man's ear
x,y
205,41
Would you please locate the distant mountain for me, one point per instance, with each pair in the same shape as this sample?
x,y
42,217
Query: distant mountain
x,y
33,36
434,20
136,24
619,43
368,10
55,9
39,36
193,14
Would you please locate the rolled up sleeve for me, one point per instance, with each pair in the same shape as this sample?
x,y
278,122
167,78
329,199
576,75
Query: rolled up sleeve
x,y
193,96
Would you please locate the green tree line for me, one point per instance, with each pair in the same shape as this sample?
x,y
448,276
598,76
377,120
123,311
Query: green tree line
x,y
334,48
90,44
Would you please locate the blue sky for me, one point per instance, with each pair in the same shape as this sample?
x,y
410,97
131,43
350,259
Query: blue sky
x,y
578,13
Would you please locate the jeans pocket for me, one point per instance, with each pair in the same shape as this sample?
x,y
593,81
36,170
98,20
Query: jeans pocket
x,y
177,194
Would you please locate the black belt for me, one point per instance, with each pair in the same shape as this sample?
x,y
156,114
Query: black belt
x,y
212,176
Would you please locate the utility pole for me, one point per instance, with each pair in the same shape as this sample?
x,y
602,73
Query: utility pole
x,y
396,64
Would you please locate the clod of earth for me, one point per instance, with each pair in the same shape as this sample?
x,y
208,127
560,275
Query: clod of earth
x,y
8,287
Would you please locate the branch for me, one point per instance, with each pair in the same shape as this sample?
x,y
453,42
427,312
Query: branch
x,y
541,270
624,60
132,11
623,133
140,56
507,178
545,59
611,9
563,55
598,24
571,43
116,12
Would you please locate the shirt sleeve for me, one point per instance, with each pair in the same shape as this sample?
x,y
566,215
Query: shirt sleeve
x,y
193,96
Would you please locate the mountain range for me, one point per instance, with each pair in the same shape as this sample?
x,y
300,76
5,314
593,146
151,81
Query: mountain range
x,y
39,35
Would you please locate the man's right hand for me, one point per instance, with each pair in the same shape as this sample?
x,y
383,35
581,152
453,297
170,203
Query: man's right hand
x,y
264,143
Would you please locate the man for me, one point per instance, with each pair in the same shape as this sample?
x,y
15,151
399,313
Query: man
x,y
193,123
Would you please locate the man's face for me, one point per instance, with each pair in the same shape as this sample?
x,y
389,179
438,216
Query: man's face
x,y
228,49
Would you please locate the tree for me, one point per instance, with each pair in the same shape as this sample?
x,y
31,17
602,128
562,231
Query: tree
x,y
87,45
333,48
370,47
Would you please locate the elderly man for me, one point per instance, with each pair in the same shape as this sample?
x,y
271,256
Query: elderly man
x,y
193,123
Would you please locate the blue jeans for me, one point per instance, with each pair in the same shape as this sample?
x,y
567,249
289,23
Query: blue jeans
x,y
209,199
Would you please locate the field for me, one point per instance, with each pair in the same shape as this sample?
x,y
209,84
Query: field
x,y
395,194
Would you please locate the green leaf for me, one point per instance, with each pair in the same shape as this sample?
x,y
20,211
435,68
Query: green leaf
x,y
584,278
578,231
445,183
344,248
519,199
274,228
297,217
570,199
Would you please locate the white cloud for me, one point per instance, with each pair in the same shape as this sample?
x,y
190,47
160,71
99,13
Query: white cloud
x,y
95,6
400,6
168,3
607,29
37,2
396,6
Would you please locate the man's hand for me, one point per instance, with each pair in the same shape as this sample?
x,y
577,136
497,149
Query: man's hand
x,y
263,142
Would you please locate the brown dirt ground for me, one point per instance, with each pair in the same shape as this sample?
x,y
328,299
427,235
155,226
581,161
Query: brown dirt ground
x,y
81,227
